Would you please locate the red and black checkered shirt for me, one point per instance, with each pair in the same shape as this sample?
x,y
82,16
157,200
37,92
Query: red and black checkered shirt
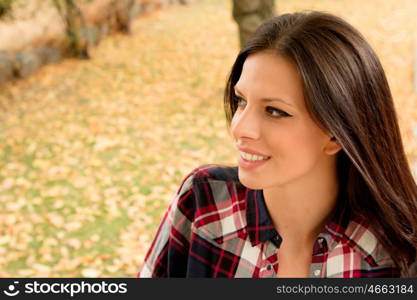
x,y
216,227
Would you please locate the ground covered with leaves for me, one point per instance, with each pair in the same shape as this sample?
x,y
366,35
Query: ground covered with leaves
x,y
92,151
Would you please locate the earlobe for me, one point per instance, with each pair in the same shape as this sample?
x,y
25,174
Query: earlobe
x,y
332,147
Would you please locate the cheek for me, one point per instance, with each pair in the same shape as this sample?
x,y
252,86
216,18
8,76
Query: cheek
x,y
297,145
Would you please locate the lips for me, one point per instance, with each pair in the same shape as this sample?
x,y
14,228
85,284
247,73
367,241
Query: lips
x,y
250,151
252,157
248,165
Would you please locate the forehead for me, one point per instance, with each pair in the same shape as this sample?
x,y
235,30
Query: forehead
x,y
266,74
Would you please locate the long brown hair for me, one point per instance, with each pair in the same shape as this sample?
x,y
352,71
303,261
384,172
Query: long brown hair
x,y
347,94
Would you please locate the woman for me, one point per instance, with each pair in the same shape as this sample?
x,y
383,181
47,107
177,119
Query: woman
x,y
323,188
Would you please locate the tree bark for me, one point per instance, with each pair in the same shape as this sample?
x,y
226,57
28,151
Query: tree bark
x,y
74,27
121,14
249,14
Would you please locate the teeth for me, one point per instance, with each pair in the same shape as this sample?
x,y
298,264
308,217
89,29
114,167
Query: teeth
x,y
253,157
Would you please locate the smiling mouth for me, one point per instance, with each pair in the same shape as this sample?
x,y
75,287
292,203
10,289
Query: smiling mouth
x,y
253,158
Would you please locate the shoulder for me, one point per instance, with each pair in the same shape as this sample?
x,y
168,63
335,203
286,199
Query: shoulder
x,y
207,188
213,200
356,252
215,172
364,241
206,174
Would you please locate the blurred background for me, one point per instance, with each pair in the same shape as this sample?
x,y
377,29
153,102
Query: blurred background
x,y
106,105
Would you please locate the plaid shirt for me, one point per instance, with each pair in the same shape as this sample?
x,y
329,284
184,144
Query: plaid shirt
x,y
216,227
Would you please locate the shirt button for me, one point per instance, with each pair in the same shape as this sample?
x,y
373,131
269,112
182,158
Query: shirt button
x,y
277,240
316,272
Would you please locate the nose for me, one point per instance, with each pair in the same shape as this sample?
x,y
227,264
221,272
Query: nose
x,y
246,124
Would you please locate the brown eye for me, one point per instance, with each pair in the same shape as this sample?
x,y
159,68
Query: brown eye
x,y
272,111
277,113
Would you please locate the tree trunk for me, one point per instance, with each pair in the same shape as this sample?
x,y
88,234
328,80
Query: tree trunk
x,y
74,27
121,14
249,14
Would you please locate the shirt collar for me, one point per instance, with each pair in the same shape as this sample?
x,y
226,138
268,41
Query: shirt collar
x,y
342,227
260,228
259,224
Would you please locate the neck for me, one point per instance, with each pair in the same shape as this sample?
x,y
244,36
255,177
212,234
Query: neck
x,y
300,209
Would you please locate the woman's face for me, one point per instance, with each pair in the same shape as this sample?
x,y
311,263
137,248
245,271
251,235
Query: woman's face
x,y
280,127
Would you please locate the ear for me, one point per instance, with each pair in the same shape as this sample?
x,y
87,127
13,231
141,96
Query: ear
x,y
332,146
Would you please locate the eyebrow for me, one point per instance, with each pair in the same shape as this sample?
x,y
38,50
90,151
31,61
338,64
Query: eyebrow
x,y
264,99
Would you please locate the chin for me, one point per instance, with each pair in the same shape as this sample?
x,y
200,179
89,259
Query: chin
x,y
251,182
